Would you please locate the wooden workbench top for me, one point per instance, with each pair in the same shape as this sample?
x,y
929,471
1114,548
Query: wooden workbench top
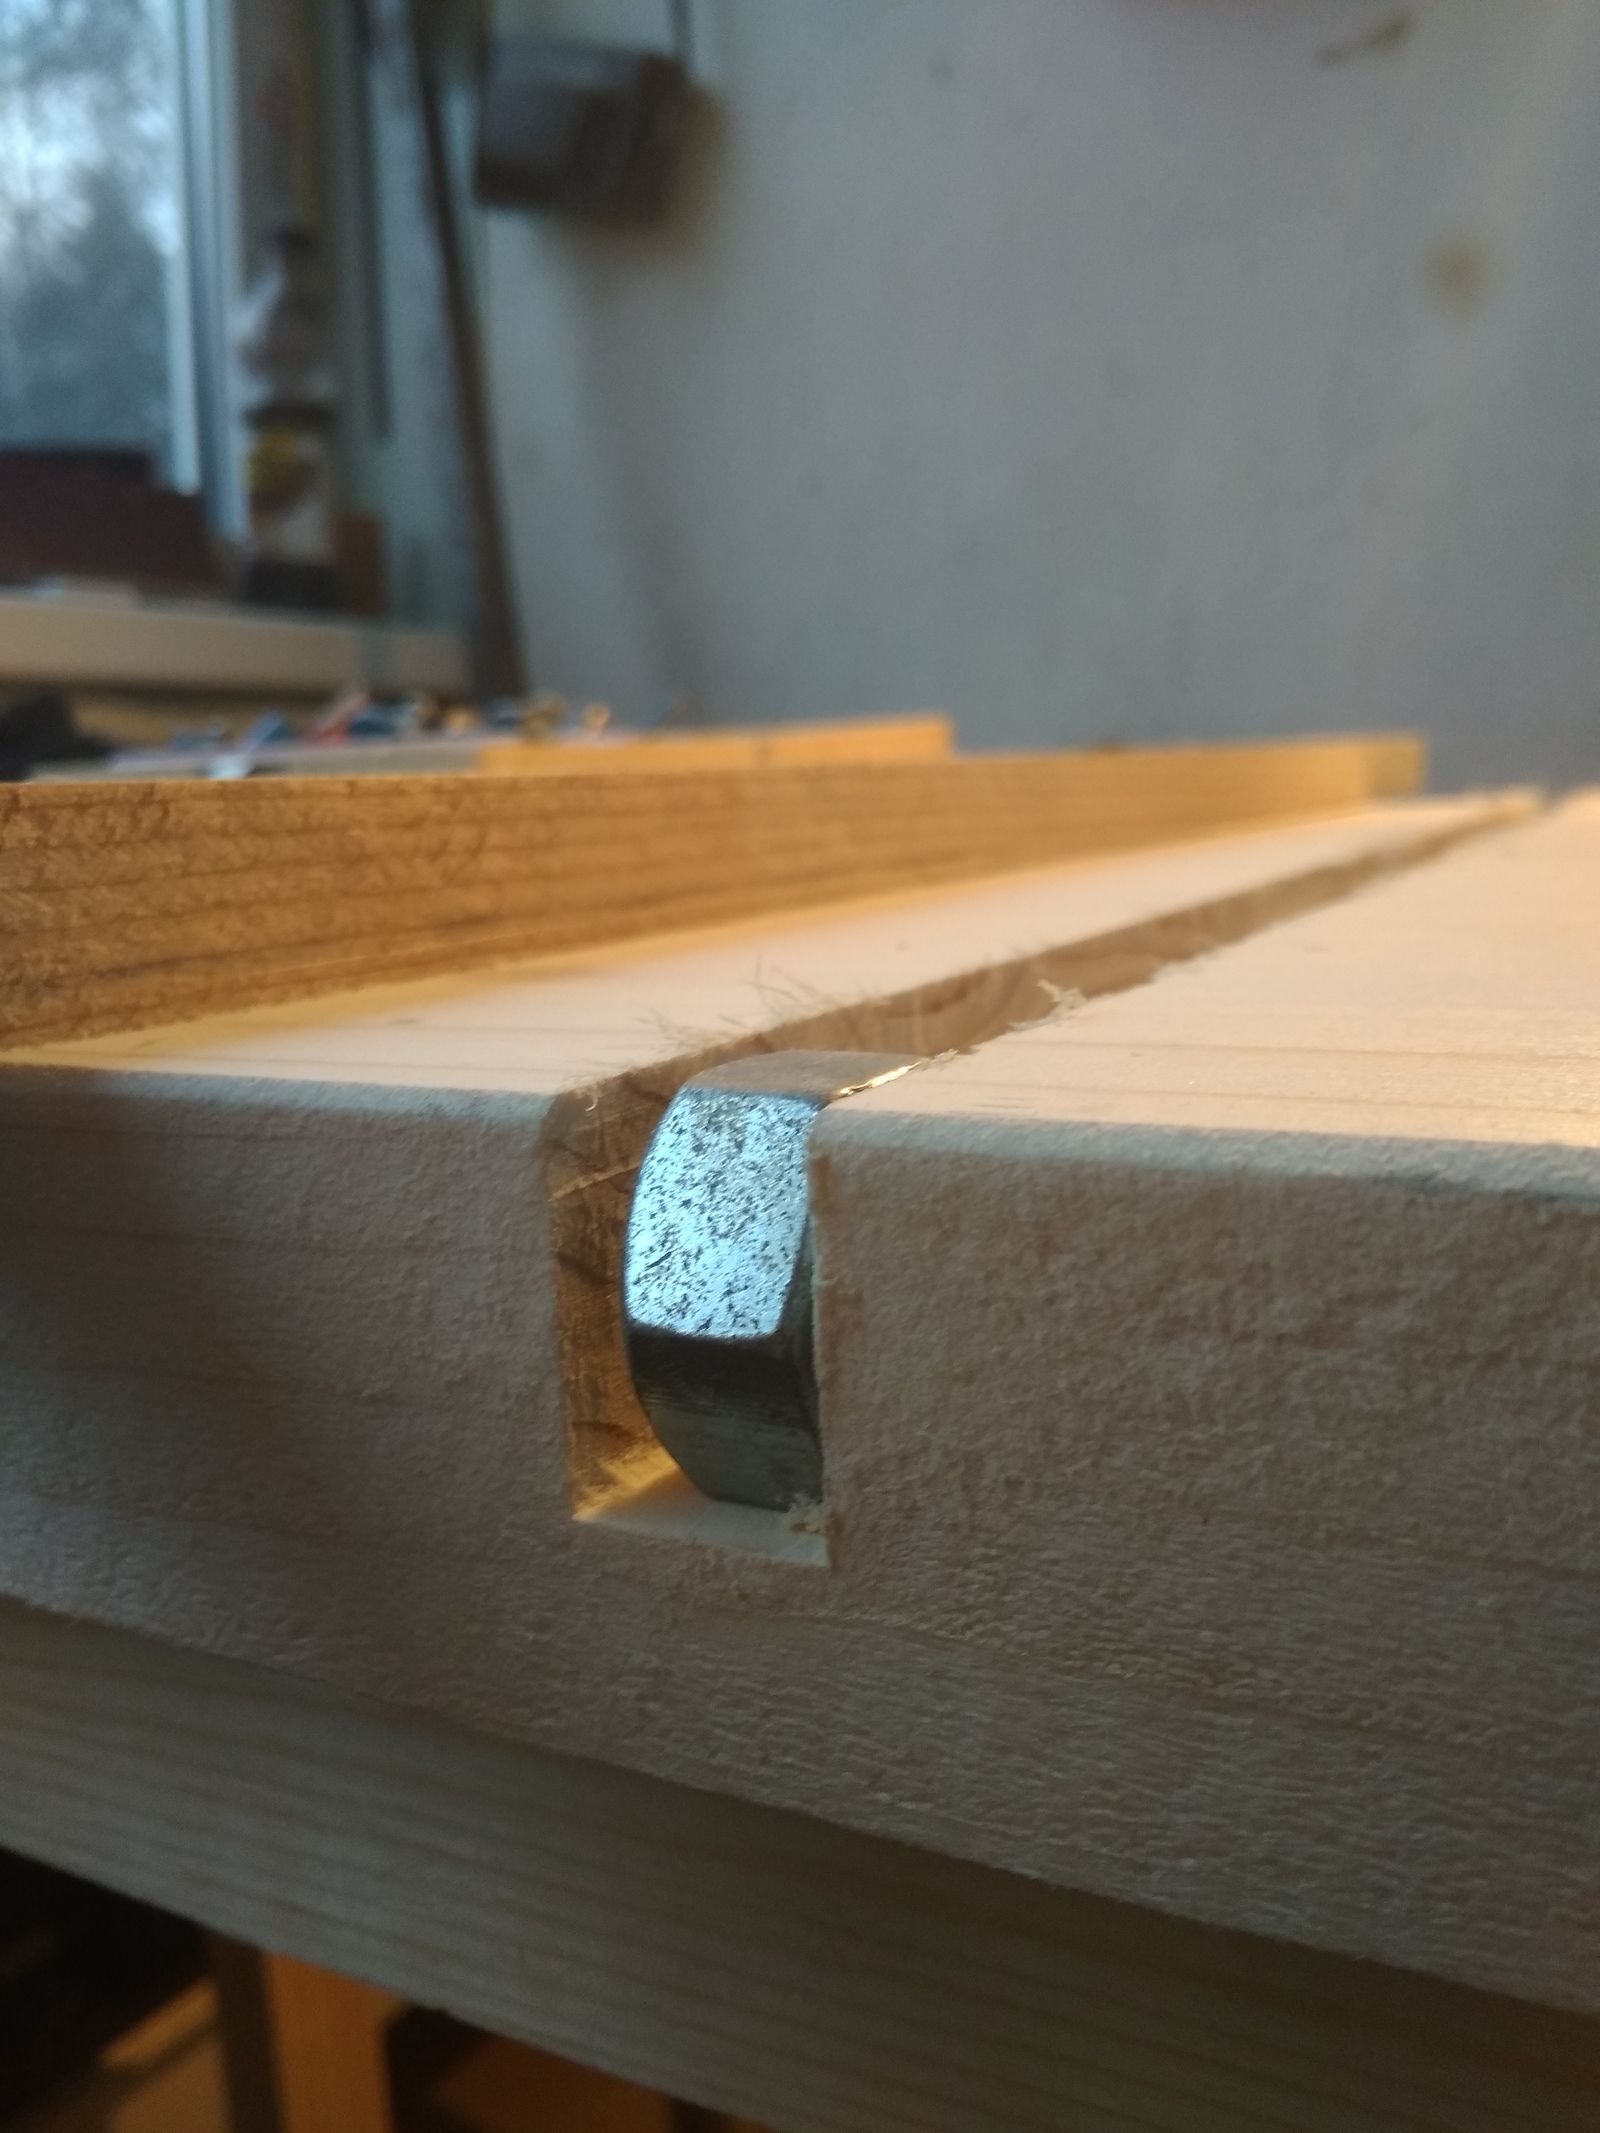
x,y
1203,1370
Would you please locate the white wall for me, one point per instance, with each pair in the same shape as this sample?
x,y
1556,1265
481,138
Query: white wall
x,y
1093,368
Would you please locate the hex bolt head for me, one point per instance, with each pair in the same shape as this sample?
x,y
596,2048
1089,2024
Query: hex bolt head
x,y
716,1278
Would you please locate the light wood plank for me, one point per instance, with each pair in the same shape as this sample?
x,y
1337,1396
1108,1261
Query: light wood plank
x,y
760,1963
919,737
127,904
166,645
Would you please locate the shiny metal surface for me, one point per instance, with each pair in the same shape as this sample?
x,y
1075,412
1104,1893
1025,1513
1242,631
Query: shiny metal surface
x,y
716,1288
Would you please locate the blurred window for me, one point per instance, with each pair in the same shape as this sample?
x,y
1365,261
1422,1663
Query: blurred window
x,y
96,345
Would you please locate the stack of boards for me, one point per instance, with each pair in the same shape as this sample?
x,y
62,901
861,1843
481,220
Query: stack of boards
x,y
1182,1711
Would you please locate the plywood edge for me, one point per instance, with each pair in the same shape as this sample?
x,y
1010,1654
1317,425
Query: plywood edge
x,y
914,737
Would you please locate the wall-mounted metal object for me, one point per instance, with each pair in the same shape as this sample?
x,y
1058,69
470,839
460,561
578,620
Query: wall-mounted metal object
x,y
581,129
716,1283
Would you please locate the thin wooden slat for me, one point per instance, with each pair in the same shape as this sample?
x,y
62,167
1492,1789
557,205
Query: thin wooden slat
x,y
125,904
919,737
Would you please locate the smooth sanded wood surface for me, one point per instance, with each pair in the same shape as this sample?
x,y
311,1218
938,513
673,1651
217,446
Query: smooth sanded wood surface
x,y
805,1978
1293,1379
918,737
303,1360
127,904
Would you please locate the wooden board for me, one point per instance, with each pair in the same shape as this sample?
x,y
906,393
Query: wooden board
x,y
1296,1366
309,1357
809,1979
167,645
125,904
920,737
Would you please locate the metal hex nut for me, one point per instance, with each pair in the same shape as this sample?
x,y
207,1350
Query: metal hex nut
x,y
716,1282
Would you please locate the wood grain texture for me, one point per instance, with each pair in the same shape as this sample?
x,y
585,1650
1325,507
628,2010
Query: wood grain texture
x,y
1296,1360
285,1377
760,1963
919,737
123,905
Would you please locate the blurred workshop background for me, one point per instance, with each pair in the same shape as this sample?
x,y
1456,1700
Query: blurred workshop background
x,y
1098,371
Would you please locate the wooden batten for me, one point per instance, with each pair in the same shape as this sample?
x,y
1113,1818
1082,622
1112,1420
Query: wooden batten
x,y
123,905
919,737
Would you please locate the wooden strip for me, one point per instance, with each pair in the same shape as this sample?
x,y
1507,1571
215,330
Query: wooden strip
x,y
124,904
755,1962
920,737
205,648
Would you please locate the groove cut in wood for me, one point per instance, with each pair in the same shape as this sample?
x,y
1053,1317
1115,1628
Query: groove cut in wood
x,y
597,1136
123,905
758,1963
